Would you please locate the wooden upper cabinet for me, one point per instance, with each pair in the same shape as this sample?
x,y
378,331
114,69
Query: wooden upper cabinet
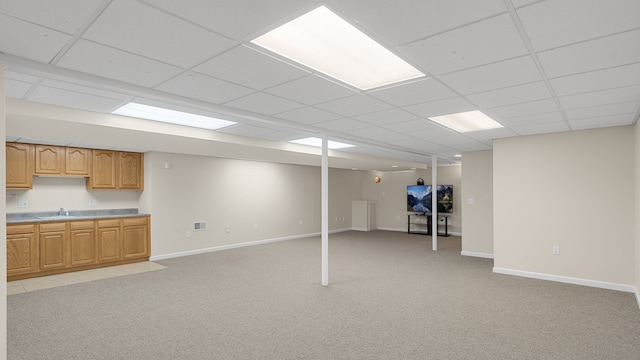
x,y
60,160
103,170
49,160
19,165
77,161
130,171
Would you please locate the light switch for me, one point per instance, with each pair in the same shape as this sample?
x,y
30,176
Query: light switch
x,y
471,201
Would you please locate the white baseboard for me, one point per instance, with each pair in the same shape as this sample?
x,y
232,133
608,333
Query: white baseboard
x,y
238,245
568,280
477,254
637,297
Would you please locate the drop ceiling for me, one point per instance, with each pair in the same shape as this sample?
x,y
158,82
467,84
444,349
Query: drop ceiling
x,y
534,66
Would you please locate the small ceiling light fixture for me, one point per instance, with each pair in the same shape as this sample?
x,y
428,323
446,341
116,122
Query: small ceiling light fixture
x,y
467,121
323,41
171,116
317,142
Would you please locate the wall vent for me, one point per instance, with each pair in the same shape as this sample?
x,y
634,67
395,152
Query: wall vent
x,y
199,225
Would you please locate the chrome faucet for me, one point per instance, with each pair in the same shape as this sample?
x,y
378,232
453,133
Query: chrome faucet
x,y
63,212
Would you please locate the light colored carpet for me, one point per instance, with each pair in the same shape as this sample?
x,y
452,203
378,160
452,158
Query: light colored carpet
x,y
390,297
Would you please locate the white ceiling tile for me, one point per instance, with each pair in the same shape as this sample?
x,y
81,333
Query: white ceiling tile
x,y
551,24
597,80
414,92
441,107
489,135
477,44
541,128
410,126
390,137
522,109
493,76
344,124
63,15
354,105
16,89
103,61
308,115
146,31
610,51
370,132
204,88
399,22
285,135
388,116
73,99
250,68
631,107
519,3
240,20
512,95
603,121
603,97
30,41
517,121
245,130
311,90
262,103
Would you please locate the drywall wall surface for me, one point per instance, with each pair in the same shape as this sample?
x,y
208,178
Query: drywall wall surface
x,y
240,201
477,203
573,190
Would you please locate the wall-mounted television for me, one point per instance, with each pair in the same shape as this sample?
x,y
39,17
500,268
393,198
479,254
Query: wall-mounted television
x,y
419,198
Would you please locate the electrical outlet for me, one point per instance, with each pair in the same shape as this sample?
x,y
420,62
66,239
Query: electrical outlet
x,y
228,229
255,226
23,203
93,202
556,250
300,222
188,234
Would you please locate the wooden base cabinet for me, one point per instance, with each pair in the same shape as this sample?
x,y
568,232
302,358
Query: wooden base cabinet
x,y
22,249
39,249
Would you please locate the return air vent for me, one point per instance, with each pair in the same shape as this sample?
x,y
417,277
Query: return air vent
x,y
199,226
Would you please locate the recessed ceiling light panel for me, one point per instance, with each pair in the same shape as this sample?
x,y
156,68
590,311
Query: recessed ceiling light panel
x,y
323,41
317,142
467,121
171,116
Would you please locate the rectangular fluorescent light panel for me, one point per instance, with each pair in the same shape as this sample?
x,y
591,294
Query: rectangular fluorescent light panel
x,y
323,41
317,142
172,116
467,121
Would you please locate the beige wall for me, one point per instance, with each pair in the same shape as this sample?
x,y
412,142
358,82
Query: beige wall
x,y
3,230
390,195
257,200
636,218
52,193
573,190
477,203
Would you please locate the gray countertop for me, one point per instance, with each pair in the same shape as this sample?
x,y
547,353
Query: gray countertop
x,y
46,216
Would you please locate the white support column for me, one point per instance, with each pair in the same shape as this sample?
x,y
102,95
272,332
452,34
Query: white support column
x,y
325,210
434,202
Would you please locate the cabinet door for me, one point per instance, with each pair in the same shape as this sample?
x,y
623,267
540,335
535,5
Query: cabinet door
x,y
82,241
77,161
130,171
135,238
103,170
53,246
49,160
108,240
19,165
22,249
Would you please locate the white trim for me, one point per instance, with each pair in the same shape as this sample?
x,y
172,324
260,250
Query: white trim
x,y
637,297
567,279
359,229
238,245
477,254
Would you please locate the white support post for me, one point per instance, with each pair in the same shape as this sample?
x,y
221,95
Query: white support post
x,y
434,203
325,210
